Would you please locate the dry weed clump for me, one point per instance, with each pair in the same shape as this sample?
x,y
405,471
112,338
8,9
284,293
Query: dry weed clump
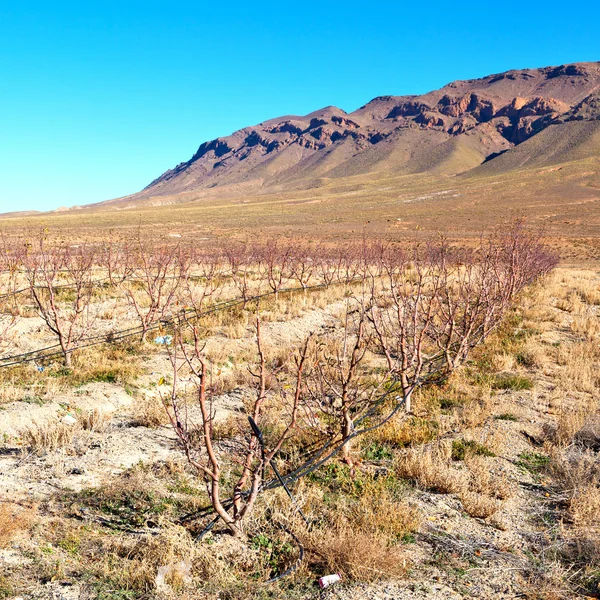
x,y
401,431
570,421
13,519
584,505
150,411
580,362
95,420
380,511
480,491
484,478
133,563
549,580
478,505
360,555
533,355
586,326
577,473
107,363
430,467
27,384
50,436
476,410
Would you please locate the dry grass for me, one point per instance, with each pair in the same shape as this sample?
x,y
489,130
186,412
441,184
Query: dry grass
x,y
402,431
26,384
150,411
584,505
95,420
480,506
570,421
110,364
580,366
548,581
577,473
430,468
357,554
13,519
47,437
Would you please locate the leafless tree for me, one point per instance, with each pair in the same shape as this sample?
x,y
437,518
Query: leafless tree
x,y
303,265
342,386
240,260
255,455
157,272
61,285
275,261
202,279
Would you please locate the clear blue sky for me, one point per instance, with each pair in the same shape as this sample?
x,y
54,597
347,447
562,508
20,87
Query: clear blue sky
x,y
97,98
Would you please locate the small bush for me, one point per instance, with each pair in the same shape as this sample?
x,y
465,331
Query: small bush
x,y
480,506
430,469
506,417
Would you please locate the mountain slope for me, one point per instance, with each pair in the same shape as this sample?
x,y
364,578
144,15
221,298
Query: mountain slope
x,y
486,125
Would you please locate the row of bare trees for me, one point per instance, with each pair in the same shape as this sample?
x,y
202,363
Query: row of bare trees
x,y
159,279
413,318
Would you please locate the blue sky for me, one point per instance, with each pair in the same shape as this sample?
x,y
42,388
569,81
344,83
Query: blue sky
x,y
97,98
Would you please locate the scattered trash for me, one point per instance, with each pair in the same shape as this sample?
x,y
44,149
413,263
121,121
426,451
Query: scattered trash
x,y
329,580
69,420
41,369
163,340
179,573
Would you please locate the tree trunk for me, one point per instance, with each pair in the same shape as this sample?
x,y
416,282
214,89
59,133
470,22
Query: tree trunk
x,y
347,429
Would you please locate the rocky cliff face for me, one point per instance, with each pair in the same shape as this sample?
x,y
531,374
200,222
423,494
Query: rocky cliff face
x,y
490,115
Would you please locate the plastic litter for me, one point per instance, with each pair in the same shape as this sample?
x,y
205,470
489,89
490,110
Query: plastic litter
x,y
163,340
69,420
41,369
328,580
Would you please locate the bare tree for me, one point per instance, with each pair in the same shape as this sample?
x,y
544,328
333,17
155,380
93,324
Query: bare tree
x,y
403,314
60,283
10,268
202,280
157,272
302,266
240,259
275,261
112,256
255,455
342,385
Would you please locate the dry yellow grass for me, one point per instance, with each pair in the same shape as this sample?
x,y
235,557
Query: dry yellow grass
x,y
478,505
95,420
359,555
13,519
150,411
46,437
430,468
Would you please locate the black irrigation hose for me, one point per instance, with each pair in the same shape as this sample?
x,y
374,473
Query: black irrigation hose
x,y
298,561
116,336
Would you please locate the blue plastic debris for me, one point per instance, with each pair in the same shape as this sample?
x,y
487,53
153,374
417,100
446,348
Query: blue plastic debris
x,y
163,340
41,369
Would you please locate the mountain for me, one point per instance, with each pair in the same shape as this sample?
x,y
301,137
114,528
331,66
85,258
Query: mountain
x,y
529,117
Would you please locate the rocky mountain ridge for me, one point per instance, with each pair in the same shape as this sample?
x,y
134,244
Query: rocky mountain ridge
x,y
450,130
